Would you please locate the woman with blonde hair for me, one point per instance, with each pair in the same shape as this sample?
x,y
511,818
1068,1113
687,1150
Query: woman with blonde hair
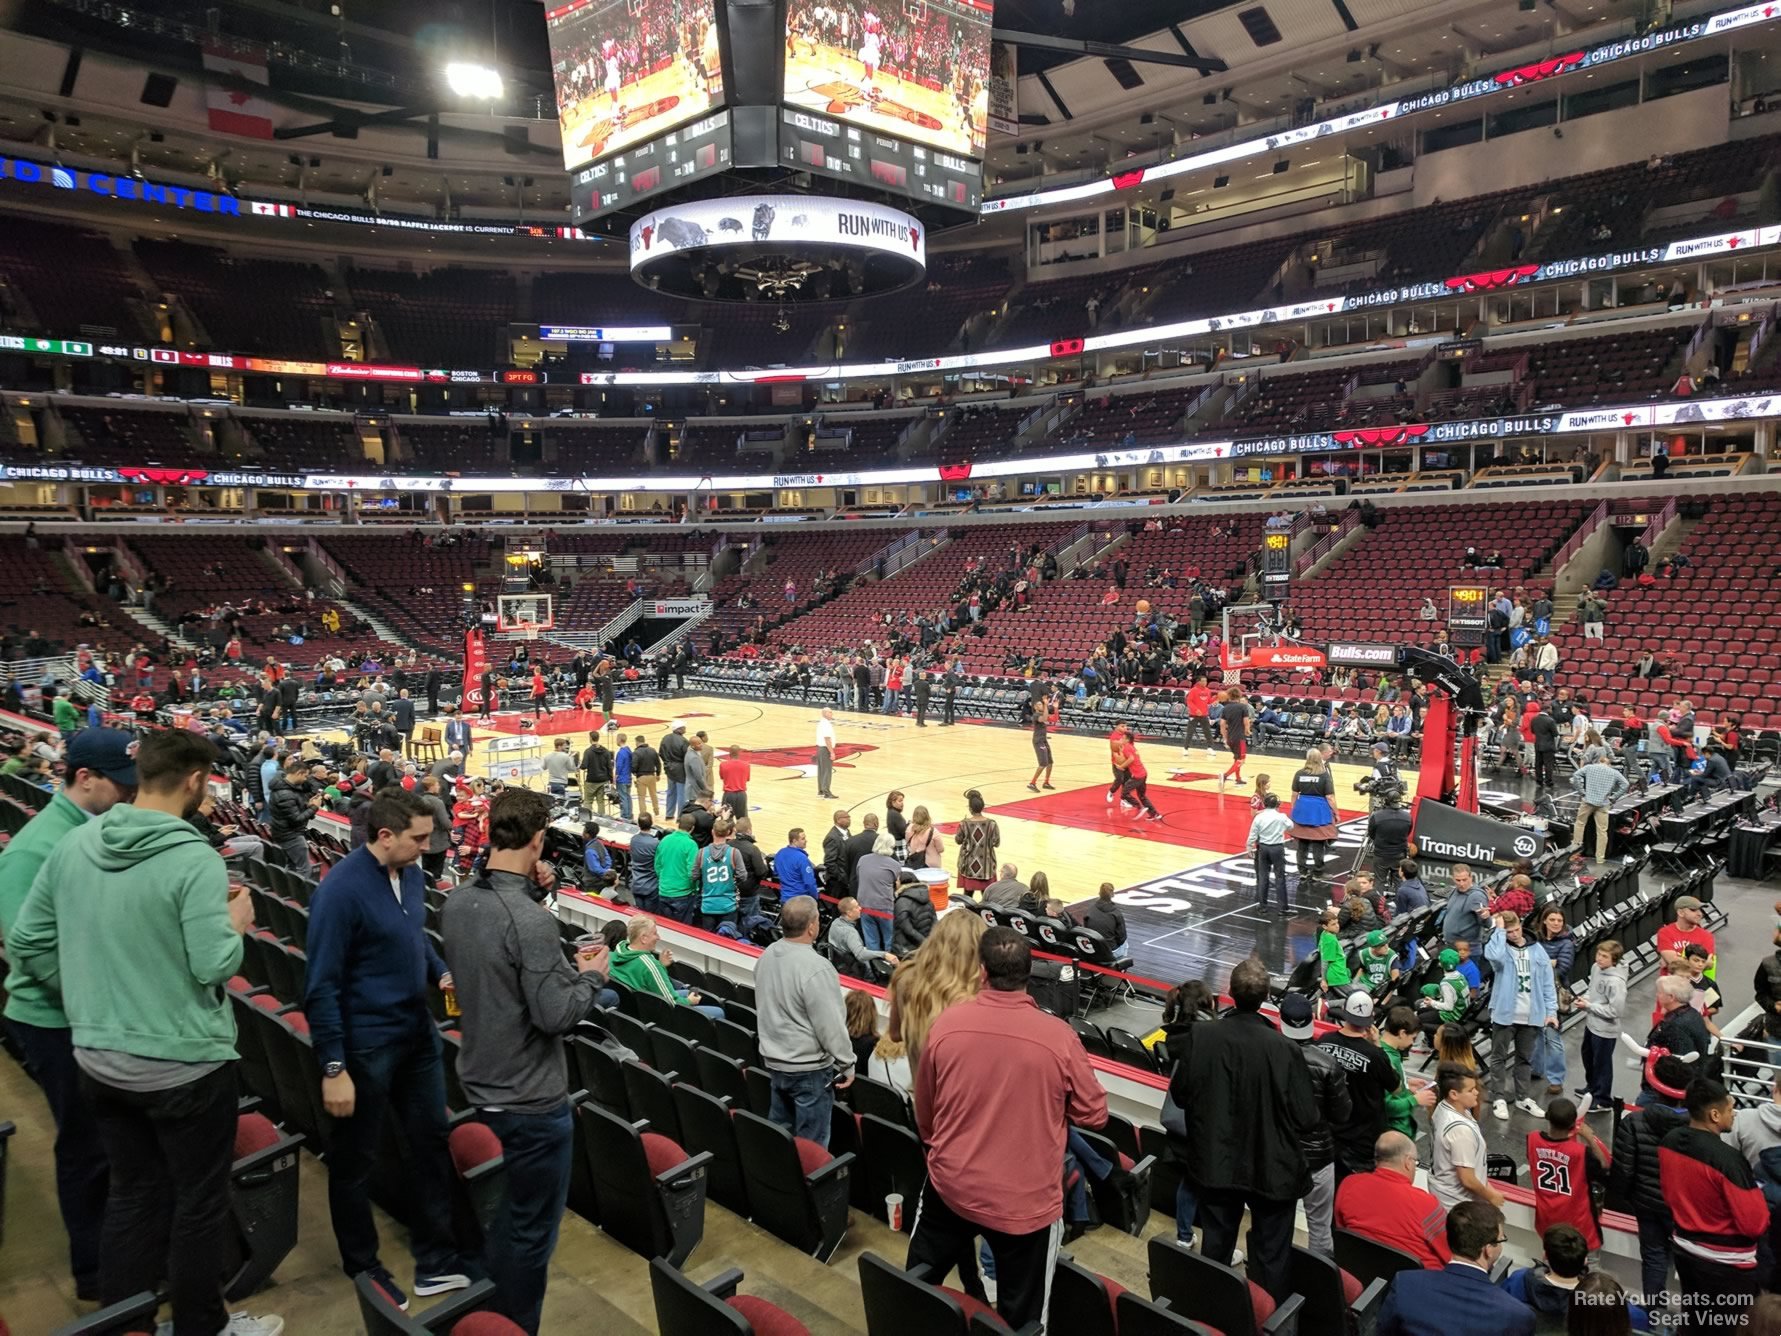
x,y
1313,815
946,970
924,846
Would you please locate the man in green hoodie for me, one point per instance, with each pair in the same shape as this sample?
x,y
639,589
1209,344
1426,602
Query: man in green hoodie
x,y
101,765
130,923
637,963
676,856
68,715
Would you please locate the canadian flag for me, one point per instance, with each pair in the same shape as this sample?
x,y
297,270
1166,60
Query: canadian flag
x,y
234,110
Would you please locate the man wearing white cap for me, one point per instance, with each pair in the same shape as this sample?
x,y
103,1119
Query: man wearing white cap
x,y
825,753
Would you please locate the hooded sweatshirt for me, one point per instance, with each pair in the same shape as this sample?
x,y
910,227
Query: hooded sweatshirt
x,y
641,972
28,1001
1607,1001
128,922
1756,1135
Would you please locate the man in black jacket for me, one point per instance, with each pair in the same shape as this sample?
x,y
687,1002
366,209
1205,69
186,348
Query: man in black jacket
x,y
289,808
1371,1077
1103,916
434,681
289,689
1247,1103
596,771
1635,1181
862,687
672,750
755,869
834,871
951,696
1545,730
271,707
924,690
1329,1083
402,718
857,847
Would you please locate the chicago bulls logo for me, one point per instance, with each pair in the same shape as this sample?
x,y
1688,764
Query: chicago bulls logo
x,y
1374,437
1490,279
1539,69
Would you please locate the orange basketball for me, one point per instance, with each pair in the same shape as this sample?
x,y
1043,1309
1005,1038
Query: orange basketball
x,y
1143,607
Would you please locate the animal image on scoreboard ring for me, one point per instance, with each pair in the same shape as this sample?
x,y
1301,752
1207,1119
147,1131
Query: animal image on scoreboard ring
x,y
916,69
629,70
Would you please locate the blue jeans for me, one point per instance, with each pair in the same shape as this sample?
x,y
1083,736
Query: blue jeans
x,y
1094,1166
676,794
712,1010
893,701
1187,1206
82,1170
624,801
537,1152
680,908
877,932
804,1102
406,1078
1654,1257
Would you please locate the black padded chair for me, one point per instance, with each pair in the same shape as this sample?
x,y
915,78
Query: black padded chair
x,y
798,1190
649,1194
707,1127
465,1313
1082,1302
1221,1297
1368,1260
601,1074
900,1302
686,1309
651,1096
891,1161
1335,1301
1155,1317
262,1203
119,1319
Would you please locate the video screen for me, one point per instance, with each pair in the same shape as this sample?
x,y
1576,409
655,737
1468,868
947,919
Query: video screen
x,y
916,69
626,70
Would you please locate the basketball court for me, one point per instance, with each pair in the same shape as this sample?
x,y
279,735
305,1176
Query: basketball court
x,y
1184,883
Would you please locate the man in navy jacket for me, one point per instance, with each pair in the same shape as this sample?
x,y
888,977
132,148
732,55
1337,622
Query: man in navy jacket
x,y
370,968
1460,1299
458,737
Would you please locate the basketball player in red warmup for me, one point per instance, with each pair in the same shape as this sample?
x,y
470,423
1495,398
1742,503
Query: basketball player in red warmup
x,y
1136,789
1233,722
1116,753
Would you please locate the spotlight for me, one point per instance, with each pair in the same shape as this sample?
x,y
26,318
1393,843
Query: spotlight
x,y
473,81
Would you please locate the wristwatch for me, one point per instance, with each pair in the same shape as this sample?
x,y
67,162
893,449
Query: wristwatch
x,y
333,1069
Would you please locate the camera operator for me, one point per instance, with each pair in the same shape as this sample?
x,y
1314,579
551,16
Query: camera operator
x,y
1388,830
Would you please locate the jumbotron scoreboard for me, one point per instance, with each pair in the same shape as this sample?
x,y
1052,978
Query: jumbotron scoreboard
x,y
667,101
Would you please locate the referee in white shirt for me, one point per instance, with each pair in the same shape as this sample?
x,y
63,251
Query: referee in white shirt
x,y
1267,837
825,753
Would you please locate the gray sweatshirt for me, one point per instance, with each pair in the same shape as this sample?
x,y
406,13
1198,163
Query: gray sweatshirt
x,y
1606,996
845,943
1756,1130
518,995
803,1023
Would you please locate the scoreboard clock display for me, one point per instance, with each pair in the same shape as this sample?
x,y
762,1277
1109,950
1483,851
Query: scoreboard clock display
x,y
1468,613
1276,563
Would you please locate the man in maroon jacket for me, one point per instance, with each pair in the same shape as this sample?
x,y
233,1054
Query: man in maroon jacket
x,y
998,1085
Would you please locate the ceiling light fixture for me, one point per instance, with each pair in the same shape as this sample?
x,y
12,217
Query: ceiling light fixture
x,y
467,79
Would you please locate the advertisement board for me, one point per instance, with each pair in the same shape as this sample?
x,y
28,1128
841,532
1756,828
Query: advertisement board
x,y
789,220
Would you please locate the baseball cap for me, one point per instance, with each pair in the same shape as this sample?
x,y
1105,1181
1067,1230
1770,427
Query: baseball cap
x,y
107,751
1682,901
1295,1016
1358,1009
1449,959
1375,938
678,726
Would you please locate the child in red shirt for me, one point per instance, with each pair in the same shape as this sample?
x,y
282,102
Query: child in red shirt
x,y
1558,1161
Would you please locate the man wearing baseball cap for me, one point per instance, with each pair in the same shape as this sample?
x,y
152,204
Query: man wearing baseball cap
x,y
1329,1083
101,772
1687,930
1371,1077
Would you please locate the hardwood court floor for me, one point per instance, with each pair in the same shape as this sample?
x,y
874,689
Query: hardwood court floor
x,y
1071,833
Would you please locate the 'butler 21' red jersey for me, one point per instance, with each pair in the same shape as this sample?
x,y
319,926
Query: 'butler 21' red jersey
x,y
1560,1170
